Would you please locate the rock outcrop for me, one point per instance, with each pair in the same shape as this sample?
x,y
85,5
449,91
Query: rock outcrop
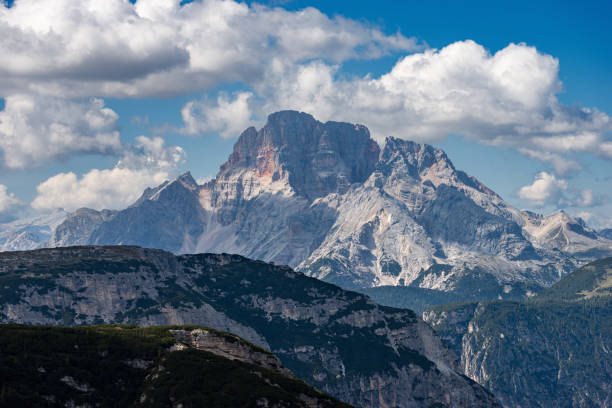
x,y
227,346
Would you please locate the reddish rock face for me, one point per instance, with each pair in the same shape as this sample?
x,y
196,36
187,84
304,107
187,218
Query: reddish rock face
x,y
317,158
266,163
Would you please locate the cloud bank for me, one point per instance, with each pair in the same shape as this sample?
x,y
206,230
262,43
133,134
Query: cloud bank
x,y
61,57
504,99
147,164
158,47
285,60
34,130
508,98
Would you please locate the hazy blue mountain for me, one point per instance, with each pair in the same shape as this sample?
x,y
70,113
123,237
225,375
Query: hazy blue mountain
x,y
31,232
606,233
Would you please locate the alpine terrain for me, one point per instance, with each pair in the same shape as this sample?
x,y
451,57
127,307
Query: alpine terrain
x,y
324,199
29,233
552,350
341,342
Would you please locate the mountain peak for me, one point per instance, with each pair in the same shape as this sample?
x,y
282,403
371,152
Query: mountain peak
x,y
286,116
426,162
322,197
423,154
314,158
419,161
187,180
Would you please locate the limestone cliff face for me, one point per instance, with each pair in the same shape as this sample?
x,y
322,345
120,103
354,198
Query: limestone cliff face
x,y
263,203
339,341
324,199
78,227
415,212
313,158
452,323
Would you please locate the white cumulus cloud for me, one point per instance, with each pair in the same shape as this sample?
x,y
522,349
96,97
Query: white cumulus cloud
x,y
292,60
547,189
61,56
508,98
148,163
35,129
226,116
158,47
7,200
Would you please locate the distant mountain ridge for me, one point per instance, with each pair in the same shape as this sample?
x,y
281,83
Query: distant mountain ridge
x,y
606,233
31,232
323,198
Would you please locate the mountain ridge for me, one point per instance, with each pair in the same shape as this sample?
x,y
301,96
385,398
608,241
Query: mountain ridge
x,y
339,341
325,199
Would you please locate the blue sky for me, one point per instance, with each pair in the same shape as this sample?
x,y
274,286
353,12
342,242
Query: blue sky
x,y
574,36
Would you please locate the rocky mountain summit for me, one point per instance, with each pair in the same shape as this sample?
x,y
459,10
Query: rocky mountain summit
x,y
341,342
125,366
553,350
325,199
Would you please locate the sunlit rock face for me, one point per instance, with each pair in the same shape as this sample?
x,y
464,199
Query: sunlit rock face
x,y
311,158
325,199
